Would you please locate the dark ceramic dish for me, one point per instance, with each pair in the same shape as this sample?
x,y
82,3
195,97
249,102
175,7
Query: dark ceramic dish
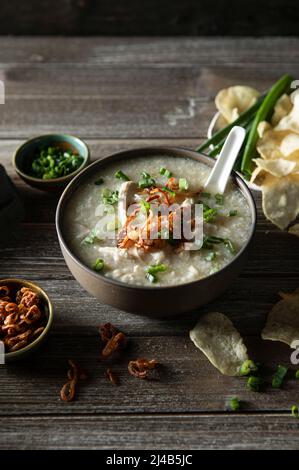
x,y
24,155
150,300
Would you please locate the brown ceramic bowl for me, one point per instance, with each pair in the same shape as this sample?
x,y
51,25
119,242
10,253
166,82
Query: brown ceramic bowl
x,y
15,285
150,300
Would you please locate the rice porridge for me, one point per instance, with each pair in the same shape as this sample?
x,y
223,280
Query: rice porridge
x,y
131,189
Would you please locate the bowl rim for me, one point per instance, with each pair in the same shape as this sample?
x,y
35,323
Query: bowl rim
x,y
52,180
131,153
29,346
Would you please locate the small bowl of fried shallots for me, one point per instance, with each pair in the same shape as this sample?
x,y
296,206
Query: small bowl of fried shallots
x,y
26,315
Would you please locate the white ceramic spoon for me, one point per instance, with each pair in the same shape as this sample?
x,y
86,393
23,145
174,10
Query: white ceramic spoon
x,y
218,178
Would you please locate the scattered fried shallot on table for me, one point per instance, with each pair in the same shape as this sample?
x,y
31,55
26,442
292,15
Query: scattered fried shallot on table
x,y
113,339
22,318
74,375
141,367
111,376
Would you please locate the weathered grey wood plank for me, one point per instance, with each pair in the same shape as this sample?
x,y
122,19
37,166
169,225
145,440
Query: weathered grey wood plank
x,y
187,382
143,51
151,432
41,80
105,117
246,302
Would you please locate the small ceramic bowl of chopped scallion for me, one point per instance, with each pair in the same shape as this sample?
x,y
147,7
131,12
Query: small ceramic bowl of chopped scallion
x,y
49,162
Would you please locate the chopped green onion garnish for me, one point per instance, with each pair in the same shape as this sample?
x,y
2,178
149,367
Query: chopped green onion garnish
x,y
254,383
279,376
234,404
54,162
209,214
109,197
247,367
210,256
183,184
297,374
98,265
99,181
232,213
211,240
165,172
146,180
219,199
152,271
172,193
144,206
204,194
295,411
90,238
121,176
228,243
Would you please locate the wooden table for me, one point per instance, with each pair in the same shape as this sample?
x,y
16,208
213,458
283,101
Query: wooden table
x,y
122,93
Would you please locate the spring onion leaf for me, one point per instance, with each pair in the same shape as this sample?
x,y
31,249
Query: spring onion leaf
x,y
165,172
121,176
183,184
153,270
262,114
233,213
279,376
297,374
109,197
234,404
146,180
254,383
248,367
219,198
229,245
90,238
220,135
295,412
211,240
144,206
98,265
151,278
209,214
172,193
210,256
99,181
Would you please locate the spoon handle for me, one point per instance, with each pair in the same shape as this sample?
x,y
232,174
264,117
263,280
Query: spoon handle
x,y
218,178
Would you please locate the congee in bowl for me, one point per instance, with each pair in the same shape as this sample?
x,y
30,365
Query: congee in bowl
x,y
110,216
138,231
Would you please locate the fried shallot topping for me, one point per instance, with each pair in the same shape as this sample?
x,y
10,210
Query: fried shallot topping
x,y
113,339
155,229
21,320
107,331
116,343
74,375
110,375
141,367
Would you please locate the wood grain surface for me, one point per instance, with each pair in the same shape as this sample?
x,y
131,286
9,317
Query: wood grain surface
x,y
120,93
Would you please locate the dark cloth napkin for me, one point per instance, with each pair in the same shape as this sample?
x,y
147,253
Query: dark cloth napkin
x,y
11,207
